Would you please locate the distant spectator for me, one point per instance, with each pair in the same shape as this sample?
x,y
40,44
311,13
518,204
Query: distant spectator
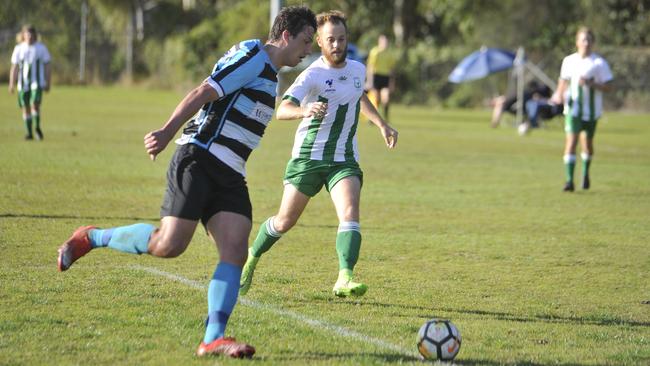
x,y
508,103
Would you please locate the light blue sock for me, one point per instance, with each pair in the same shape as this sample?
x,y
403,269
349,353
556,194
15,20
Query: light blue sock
x,y
129,239
222,297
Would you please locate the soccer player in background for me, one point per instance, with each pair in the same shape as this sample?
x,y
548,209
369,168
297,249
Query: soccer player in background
x,y
205,180
327,96
381,61
584,76
30,73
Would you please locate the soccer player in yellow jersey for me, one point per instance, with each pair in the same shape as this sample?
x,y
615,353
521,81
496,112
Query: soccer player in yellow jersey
x,y
379,70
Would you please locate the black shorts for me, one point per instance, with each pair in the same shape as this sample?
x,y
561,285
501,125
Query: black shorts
x,y
199,185
380,81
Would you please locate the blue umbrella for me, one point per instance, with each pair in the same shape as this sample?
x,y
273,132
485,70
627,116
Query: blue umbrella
x,y
482,63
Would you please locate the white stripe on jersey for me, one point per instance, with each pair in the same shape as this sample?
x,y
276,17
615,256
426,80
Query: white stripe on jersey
x,y
240,134
229,158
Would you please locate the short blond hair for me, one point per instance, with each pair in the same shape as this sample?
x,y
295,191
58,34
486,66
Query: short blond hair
x,y
586,30
332,16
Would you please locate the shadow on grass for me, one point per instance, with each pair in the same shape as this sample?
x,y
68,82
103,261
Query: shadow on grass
x,y
74,217
117,218
590,320
396,358
306,357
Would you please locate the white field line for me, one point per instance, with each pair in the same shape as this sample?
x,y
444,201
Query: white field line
x,y
318,324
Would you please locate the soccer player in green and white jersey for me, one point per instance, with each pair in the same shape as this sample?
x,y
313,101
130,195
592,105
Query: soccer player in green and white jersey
x,y
327,96
584,77
30,72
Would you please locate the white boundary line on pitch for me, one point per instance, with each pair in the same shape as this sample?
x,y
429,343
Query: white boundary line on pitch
x,y
315,323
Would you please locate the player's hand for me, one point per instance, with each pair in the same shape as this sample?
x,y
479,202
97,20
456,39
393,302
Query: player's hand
x,y
390,136
46,87
316,110
11,88
155,142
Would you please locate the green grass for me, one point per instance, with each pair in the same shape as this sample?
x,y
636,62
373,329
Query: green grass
x,y
459,221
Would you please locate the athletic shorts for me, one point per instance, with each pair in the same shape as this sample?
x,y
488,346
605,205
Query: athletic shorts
x,y
309,176
199,185
29,97
380,81
574,125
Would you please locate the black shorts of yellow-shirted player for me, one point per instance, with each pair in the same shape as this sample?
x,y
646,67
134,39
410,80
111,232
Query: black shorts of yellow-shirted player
x,y
206,175
327,96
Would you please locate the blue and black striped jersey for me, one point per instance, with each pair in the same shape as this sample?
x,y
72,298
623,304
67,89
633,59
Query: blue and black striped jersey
x,y
232,126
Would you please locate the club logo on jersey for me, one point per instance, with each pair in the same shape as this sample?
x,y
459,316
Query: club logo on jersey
x,y
357,83
330,84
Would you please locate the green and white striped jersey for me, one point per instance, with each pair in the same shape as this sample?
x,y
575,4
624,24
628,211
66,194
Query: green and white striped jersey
x,y
582,101
31,60
334,137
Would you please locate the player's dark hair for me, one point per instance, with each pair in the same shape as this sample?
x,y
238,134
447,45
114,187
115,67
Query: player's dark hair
x,y
332,16
293,19
586,30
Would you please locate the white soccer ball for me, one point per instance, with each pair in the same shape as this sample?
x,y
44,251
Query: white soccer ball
x,y
522,129
439,340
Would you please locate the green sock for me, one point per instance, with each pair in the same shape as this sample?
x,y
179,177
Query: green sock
x,y
570,165
586,162
37,120
266,237
348,244
28,124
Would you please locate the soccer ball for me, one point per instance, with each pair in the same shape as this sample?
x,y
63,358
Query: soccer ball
x,y
439,340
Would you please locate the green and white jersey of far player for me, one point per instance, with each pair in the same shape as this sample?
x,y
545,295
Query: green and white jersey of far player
x,y
334,137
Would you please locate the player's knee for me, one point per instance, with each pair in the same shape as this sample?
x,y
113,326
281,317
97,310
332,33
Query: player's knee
x,y
166,246
283,224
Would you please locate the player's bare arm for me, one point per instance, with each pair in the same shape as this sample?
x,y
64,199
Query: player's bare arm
x,y
156,141
558,96
604,87
369,110
13,76
288,110
48,77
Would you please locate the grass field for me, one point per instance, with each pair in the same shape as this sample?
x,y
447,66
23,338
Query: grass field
x,y
460,221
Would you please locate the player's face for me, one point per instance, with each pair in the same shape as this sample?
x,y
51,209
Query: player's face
x,y
29,37
299,47
584,43
333,41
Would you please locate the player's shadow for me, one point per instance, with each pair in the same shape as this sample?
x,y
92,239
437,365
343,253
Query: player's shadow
x,y
347,357
75,217
113,218
430,312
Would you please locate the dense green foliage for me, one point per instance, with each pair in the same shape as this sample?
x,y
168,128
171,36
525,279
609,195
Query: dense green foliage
x,y
179,45
460,221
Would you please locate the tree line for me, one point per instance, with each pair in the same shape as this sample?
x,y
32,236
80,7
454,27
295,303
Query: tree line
x,y
172,43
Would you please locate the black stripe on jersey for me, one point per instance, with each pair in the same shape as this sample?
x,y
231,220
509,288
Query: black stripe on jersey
x,y
237,147
260,96
250,124
210,125
230,68
269,73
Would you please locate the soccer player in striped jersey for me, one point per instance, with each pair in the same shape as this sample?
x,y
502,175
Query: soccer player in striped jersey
x,y
30,74
584,76
328,96
205,180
